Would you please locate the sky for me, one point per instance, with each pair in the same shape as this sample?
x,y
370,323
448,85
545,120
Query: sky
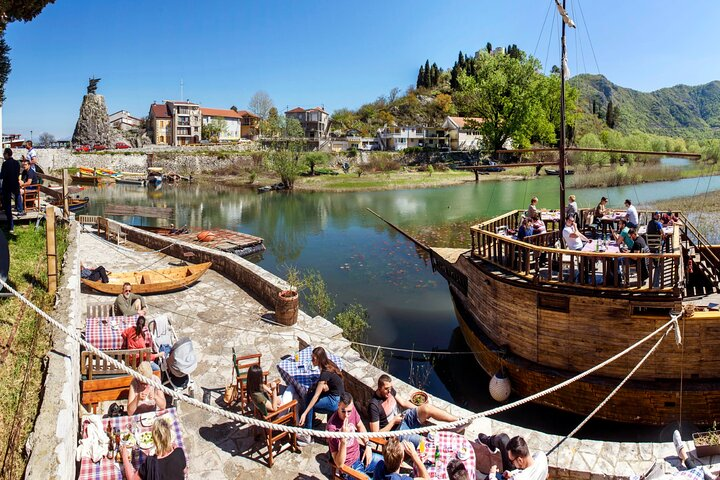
x,y
330,53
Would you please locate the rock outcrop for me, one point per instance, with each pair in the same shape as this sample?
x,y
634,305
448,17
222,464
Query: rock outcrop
x,y
92,126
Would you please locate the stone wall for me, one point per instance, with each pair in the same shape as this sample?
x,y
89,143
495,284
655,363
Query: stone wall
x,y
52,159
53,442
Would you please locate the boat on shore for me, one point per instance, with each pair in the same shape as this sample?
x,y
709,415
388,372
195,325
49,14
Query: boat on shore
x,y
151,281
91,179
552,171
74,204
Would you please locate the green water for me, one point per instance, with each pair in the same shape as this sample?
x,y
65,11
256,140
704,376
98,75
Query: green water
x,y
363,260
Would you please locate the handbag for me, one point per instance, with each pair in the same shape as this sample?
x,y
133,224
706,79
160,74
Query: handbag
x,y
231,391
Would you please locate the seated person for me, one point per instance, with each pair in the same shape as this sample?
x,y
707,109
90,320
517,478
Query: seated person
x,y
393,453
622,238
353,452
128,304
28,180
456,470
573,237
138,337
654,226
631,215
601,210
94,274
640,246
167,463
384,412
526,228
144,397
265,397
526,467
686,461
669,219
497,442
538,224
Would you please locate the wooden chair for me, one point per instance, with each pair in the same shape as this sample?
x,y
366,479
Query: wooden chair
x,y
241,365
343,472
92,392
92,365
100,309
285,415
31,199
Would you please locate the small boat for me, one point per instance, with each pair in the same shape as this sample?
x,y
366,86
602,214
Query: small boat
x,y
74,204
91,180
552,171
103,172
130,181
154,176
151,281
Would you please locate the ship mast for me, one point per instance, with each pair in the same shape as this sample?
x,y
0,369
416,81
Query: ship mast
x,y
562,121
563,72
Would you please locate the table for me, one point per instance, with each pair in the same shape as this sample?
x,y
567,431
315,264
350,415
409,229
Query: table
x,y
605,246
100,332
107,469
302,374
642,230
449,444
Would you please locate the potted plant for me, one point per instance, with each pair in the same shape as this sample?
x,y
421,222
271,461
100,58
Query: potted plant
x,y
707,443
286,303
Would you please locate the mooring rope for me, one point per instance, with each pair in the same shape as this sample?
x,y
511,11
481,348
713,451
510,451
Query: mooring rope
x,y
320,433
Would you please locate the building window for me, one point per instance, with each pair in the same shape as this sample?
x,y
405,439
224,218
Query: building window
x,y
161,139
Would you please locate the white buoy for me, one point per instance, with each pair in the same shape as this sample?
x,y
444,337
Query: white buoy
x,y
500,387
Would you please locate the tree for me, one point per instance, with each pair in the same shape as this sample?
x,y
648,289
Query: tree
x,y
612,114
271,127
434,75
286,165
488,47
426,74
315,159
588,159
420,78
394,93
46,139
260,104
5,67
502,93
213,129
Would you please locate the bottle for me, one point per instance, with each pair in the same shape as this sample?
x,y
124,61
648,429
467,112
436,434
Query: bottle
x,y
111,441
437,454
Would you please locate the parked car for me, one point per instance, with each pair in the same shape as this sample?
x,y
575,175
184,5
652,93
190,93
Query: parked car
x,y
83,148
99,147
122,145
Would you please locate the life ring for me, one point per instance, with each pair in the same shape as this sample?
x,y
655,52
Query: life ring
x,y
206,236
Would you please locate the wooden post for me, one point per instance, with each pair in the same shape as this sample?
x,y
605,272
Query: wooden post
x,y
65,182
51,250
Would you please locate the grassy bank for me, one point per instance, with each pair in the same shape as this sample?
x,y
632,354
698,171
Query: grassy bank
x,y
25,340
619,175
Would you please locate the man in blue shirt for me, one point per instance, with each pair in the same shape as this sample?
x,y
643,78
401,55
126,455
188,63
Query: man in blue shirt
x,y
393,453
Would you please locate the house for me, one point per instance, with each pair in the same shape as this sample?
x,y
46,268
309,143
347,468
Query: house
x,y
315,121
249,125
174,123
460,135
394,137
238,124
122,120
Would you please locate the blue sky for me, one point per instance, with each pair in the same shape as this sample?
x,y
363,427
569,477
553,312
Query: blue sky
x,y
332,53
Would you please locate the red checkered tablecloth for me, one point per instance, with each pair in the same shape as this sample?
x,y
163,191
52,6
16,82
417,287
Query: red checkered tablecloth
x,y
107,469
105,333
449,444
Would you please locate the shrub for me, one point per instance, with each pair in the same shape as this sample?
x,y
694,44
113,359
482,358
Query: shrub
x,y
381,162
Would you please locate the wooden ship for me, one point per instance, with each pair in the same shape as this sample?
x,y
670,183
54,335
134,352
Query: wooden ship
x,y
151,281
543,314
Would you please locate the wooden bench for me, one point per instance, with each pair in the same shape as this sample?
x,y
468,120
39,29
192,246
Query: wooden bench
x,y
92,365
106,389
83,220
100,309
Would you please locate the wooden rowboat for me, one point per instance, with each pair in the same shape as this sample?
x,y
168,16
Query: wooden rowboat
x,y
151,281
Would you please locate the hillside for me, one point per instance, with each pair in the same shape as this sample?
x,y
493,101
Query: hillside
x,y
676,111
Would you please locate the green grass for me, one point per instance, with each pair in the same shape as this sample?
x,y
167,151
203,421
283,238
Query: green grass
x,y
619,175
28,274
382,181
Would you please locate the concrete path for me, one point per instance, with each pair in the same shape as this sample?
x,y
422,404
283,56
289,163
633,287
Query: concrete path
x,y
217,315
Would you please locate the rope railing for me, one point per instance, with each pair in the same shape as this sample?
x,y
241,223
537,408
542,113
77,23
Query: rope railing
x,y
319,433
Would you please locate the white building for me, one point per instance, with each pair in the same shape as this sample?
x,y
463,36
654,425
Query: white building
x,y
124,121
231,119
394,137
460,135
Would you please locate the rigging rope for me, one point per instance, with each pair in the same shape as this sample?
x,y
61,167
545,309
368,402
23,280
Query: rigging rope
x,y
550,5
319,433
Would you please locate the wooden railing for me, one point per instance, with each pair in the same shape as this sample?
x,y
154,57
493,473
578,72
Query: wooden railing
x,y
540,260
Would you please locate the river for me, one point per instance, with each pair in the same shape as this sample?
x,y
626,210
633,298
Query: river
x,y
364,261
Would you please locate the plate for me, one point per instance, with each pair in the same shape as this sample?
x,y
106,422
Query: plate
x,y
128,438
147,419
145,440
463,454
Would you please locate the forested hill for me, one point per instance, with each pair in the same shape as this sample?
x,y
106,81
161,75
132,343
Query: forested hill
x,y
676,111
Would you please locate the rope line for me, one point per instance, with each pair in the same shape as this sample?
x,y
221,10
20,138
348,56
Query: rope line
x,y
615,390
320,433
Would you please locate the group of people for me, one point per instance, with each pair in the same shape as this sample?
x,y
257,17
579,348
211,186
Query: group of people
x,y
15,178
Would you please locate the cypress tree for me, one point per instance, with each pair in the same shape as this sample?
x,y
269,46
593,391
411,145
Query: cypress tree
x,y
609,115
426,74
434,75
461,60
421,77
488,47
454,84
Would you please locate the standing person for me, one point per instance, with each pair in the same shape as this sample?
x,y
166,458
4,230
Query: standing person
x,y
9,175
347,451
129,304
384,412
631,215
324,397
572,208
31,155
532,208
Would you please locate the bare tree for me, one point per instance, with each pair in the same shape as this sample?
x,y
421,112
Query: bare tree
x,y
46,139
260,104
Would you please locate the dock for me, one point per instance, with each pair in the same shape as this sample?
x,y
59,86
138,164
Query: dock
x,y
222,239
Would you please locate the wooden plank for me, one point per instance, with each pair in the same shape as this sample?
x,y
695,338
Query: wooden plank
x,y
51,250
45,176
139,211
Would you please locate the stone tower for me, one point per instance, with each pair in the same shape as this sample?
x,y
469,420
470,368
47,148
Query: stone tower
x,y
92,126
